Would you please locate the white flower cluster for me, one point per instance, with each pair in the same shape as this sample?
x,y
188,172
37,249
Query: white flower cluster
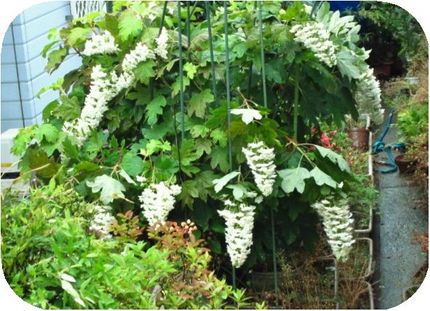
x,y
140,54
101,222
102,90
368,96
157,201
161,49
260,160
338,225
314,36
105,86
103,43
238,232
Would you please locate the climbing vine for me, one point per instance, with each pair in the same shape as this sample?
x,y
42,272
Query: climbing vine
x,y
159,121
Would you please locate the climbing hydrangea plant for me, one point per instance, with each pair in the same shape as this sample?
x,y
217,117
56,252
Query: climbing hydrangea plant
x,y
147,123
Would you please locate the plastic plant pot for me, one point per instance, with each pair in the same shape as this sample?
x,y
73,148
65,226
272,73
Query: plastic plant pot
x,y
369,227
363,297
362,265
405,166
359,137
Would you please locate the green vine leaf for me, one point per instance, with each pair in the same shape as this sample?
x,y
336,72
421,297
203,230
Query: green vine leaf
x,y
132,164
220,183
144,71
110,188
294,178
334,157
198,103
130,25
155,108
322,178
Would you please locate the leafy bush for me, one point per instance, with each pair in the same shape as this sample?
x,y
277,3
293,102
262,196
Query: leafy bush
x,y
51,261
132,118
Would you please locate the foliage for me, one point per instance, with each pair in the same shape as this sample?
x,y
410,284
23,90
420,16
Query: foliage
x,y
51,261
145,134
395,20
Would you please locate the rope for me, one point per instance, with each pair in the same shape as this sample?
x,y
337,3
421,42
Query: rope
x,y
379,146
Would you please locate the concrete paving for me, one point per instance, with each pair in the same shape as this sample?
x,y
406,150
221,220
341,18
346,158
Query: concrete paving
x,y
398,255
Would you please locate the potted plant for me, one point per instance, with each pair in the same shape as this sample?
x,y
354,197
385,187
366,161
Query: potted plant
x,y
356,294
358,133
360,263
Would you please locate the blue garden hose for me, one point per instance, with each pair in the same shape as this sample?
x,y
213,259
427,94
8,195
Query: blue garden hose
x,y
379,146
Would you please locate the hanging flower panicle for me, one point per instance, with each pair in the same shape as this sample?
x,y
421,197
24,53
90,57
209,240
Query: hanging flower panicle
x,y
260,160
161,49
368,96
338,226
140,54
101,222
103,43
239,219
314,36
102,90
157,201
105,86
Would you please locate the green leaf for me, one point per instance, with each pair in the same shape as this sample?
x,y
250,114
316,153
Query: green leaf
x,y
22,139
176,86
199,130
322,178
48,132
130,25
198,102
110,188
221,182
220,137
154,146
220,159
190,69
334,157
78,35
155,108
132,164
144,71
238,191
70,149
347,64
55,58
294,178
165,167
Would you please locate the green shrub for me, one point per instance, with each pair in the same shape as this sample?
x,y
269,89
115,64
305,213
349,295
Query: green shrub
x,y
51,260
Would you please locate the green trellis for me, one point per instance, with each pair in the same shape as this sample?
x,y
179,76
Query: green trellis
x,y
189,12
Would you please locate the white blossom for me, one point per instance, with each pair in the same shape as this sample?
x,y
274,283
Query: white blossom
x,y
238,232
102,90
104,87
368,96
248,115
314,36
161,49
157,201
338,226
103,43
140,54
260,160
101,222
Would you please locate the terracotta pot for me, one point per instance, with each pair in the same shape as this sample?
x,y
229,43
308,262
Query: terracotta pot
x,y
404,165
360,138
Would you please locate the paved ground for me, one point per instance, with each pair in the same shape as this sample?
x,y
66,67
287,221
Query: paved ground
x,y
398,255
